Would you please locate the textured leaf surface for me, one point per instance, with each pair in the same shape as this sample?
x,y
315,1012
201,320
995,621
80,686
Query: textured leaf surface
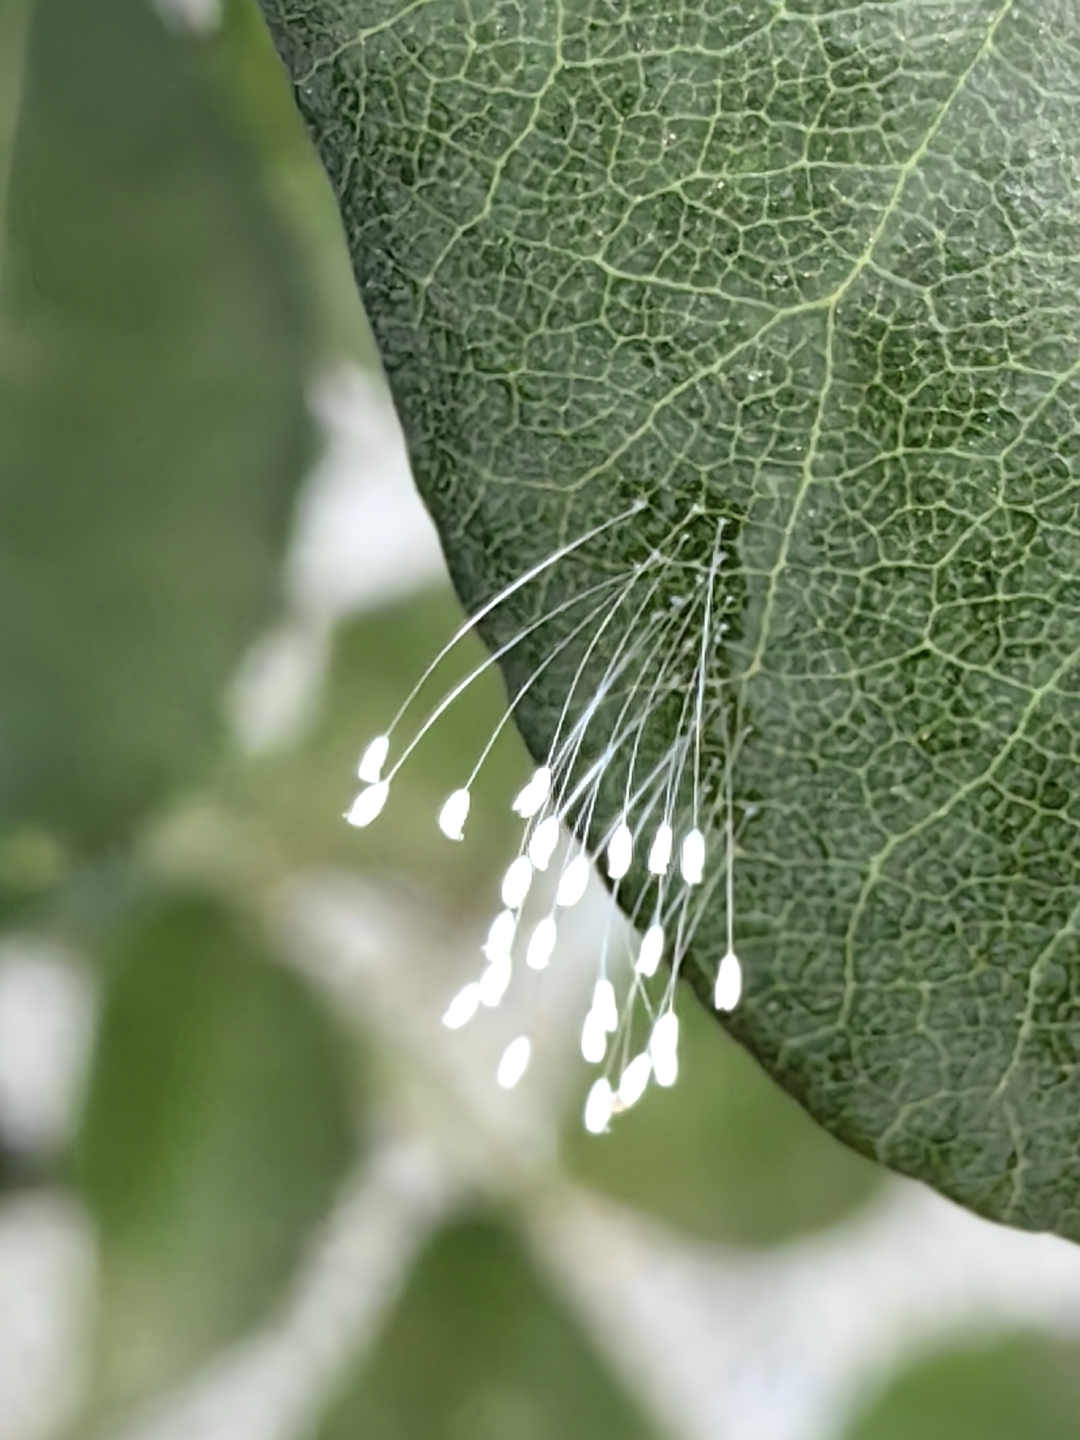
x,y
152,419
817,265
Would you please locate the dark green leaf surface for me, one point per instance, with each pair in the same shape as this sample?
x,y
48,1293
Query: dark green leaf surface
x,y
152,422
1022,1388
478,1349
219,1124
816,265
724,1154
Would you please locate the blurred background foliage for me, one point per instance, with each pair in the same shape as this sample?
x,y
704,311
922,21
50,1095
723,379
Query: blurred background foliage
x,y
731,1158
157,336
994,1390
220,1120
298,794
172,287
480,1349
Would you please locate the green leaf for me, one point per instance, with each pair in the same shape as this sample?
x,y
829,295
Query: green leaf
x,y
817,267
220,1121
479,1349
152,421
724,1154
998,1390
14,38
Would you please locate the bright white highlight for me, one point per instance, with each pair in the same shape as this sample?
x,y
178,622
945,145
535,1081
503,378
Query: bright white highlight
x,y
728,983
500,937
573,881
620,851
514,1063
516,882
665,1034
634,1079
593,1038
692,860
462,1007
543,843
666,1068
373,759
495,981
603,1004
660,853
652,947
454,813
598,1108
532,797
368,804
541,944
664,1049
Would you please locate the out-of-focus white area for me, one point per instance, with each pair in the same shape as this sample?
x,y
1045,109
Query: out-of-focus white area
x,y
46,1270
781,1344
721,1344
362,539
202,16
343,933
46,1019
46,1251
276,694
362,536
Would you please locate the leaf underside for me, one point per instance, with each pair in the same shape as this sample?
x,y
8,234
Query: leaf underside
x,y
817,267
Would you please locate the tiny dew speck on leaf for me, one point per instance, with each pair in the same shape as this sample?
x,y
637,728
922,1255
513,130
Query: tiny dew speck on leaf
x,y
738,351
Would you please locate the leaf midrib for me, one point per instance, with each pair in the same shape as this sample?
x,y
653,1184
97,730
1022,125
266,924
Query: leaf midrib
x,y
828,304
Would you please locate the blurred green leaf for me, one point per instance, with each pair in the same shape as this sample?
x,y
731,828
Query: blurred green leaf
x,y
243,61
153,341
14,35
1021,1388
724,1154
221,1119
299,795
479,1349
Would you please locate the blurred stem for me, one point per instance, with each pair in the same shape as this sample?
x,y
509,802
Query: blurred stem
x,y
14,42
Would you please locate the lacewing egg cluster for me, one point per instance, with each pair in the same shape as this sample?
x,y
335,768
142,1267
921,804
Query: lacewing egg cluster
x,y
674,811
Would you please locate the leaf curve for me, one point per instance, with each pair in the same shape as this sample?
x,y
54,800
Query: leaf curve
x,y
815,265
